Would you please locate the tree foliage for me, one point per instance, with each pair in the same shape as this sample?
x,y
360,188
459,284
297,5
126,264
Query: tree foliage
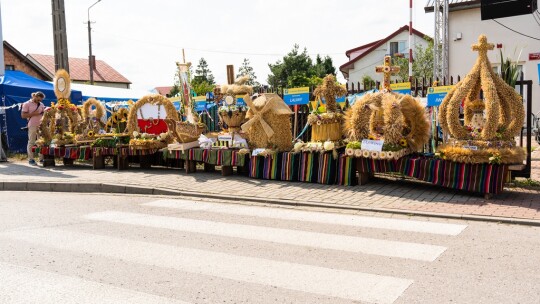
x,y
202,73
201,88
423,60
246,69
297,69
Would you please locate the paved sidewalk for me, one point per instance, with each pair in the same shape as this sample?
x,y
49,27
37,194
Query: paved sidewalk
x,y
384,194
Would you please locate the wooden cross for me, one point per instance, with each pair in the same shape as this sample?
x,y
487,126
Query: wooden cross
x,y
483,46
387,71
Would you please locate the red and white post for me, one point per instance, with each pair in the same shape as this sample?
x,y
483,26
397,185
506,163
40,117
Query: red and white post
x,y
410,39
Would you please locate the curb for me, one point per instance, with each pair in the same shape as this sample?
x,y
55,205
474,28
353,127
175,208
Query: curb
x,y
127,189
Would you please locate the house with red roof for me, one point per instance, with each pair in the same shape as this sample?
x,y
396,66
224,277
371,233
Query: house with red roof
x,y
362,60
104,74
163,90
16,61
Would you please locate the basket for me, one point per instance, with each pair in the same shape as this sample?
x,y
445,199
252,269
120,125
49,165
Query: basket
x,y
326,131
146,144
188,132
233,120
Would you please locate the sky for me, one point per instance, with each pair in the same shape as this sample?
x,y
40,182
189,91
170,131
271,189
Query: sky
x,y
144,39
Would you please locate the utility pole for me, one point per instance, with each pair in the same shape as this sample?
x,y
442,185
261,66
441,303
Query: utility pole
x,y
61,58
91,59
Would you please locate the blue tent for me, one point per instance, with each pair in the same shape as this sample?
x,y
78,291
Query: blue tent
x,y
15,88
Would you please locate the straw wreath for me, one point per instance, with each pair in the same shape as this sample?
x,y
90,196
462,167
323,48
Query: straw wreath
x,y
86,112
62,74
154,99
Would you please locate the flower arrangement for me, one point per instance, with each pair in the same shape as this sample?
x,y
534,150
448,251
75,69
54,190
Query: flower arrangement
x,y
149,141
230,112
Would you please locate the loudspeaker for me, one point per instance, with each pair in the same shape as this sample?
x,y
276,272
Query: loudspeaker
x,y
492,9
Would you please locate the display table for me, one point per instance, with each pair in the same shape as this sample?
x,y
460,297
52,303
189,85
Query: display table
x,y
481,178
145,156
99,154
68,154
311,167
226,158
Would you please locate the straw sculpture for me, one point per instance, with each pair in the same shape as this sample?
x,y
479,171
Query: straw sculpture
x,y
269,123
148,141
483,137
327,126
402,121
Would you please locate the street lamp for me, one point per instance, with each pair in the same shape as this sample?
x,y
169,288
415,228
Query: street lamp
x,y
90,45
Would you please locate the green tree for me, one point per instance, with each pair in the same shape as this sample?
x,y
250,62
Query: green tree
x,y
367,82
423,60
174,90
403,64
323,67
246,69
294,69
203,73
201,88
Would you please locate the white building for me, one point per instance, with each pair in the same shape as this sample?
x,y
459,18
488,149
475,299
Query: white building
x,y
364,59
508,35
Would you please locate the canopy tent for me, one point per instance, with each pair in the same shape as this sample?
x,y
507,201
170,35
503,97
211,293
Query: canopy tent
x,y
108,94
15,89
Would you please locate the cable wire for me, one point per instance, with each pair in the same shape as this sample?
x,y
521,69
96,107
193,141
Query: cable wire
x,y
515,30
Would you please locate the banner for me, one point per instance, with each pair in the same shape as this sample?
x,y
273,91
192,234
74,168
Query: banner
x,y
401,88
296,96
436,95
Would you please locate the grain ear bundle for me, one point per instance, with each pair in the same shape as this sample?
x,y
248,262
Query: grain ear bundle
x,y
483,137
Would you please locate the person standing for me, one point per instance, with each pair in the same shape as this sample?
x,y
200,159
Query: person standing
x,y
32,110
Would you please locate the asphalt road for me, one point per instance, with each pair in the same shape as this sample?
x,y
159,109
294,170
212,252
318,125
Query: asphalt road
x,y
94,248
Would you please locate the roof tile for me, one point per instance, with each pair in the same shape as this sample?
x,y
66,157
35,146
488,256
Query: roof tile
x,y
79,70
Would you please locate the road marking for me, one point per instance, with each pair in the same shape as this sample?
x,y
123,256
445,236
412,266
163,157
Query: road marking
x,y
386,248
309,216
25,285
305,278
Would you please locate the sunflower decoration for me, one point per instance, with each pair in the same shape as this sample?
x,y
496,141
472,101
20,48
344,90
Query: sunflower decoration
x,y
117,122
491,122
403,142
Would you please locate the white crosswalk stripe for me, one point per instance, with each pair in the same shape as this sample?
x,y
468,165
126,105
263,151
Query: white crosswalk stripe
x,y
285,236
317,217
306,278
316,279
51,288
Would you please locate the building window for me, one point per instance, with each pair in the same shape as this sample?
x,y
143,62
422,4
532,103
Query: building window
x,y
10,67
398,47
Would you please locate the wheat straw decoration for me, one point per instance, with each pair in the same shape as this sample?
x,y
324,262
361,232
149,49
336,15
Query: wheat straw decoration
x,y
504,115
153,99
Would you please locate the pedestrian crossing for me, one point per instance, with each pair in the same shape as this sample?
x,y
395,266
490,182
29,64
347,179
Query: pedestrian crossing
x,y
321,279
